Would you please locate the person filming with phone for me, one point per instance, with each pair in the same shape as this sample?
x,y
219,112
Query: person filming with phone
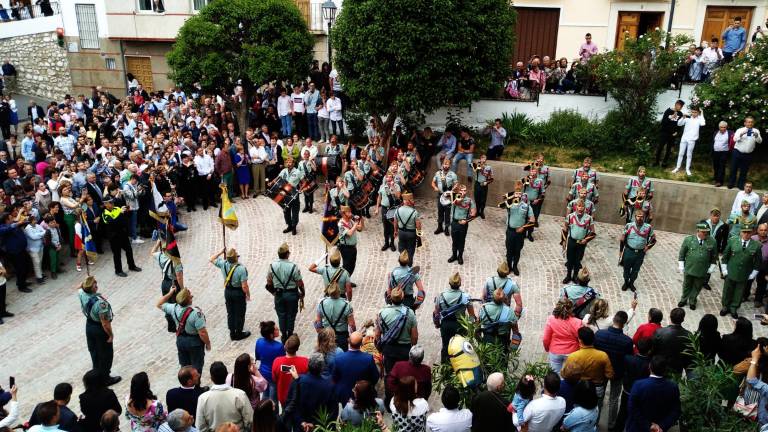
x,y
9,406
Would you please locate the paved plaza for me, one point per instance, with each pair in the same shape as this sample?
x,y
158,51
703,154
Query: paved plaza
x,y
45,343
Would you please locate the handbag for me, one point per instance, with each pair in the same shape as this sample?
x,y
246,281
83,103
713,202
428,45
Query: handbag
x,y
746,401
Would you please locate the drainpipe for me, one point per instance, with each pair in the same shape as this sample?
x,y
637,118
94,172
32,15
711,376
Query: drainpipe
x,y
122,59
671,15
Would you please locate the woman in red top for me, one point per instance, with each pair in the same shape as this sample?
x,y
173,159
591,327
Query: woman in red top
x,y
646,331
281,374
561,334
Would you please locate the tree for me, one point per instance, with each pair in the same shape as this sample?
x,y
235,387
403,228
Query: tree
x,y
250,41
395,57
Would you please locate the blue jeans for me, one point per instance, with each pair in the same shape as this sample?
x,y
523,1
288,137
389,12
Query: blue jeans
x,y
285,121
270,392
739,165
134,218
340,125
556,362
467,157
178,226
314,131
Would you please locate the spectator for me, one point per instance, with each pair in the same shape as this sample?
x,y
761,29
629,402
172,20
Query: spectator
x,y
734,40
268,348
672,341
755,381
709,338
362,405
745,139
110,421
654,402
281,367
544,413
142,409
524,393
498,136
561,334
409,412
450,418
762,237
264,417
15,244
178,420
721,149
736,346
669,132
489,407
595,365
326,345
647,330
762,210
411,367
62,394
35,234
309,394
96,400
185,397
598,317
247,378
352,367
587,49
585,414
48,414
617,345
222,404
747,195
635,368
691,125
446,148
465,151
9,415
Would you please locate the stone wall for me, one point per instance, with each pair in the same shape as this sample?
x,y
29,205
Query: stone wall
x,y
41,64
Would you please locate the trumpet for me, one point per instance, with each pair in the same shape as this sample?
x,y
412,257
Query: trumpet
x,y
510,200
478,166
419,242
458,197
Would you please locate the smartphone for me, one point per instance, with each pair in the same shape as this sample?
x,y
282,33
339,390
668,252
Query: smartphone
x,y
285,368
757,316
11,382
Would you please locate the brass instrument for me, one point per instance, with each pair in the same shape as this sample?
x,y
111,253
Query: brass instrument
x,y
419,242
533,164
458,197
510,200
478,166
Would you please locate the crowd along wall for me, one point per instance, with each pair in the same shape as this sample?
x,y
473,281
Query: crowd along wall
x,y
678,206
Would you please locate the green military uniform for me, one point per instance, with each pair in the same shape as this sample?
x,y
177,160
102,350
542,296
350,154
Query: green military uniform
x,y
696,258
534,190
337,199
171,271
450,304
509,287
285,277
307,173
350,181
234,297
335,313
578,229
741,262
591,172
398,349
644,206
445,182
388,200
191,349
737,220
460,211
496,321
582,297
517,215
406,217
400,275
291,211
589,206
292,176
95,307
328,272
348,245
592,193
636,238
482,177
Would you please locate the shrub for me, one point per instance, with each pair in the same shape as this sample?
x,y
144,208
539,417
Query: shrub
x,y
356,123
517,126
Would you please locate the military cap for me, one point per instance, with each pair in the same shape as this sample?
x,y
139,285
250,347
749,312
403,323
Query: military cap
x,y
182,296
503,269
702,226
455,279
283,248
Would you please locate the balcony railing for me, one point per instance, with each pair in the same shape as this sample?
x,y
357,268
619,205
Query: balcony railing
x,y
30,12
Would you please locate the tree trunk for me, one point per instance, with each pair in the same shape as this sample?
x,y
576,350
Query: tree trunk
x,y
241,108
386,129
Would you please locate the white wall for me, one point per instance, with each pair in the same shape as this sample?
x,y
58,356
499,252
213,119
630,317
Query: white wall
x,y
31,26
69,16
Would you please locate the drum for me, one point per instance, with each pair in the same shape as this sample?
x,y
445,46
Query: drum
x,y
391,212
282,193
360,199
446,198
308,186
330,166
416,177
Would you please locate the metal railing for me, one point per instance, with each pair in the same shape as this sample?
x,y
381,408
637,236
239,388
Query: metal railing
x,y
29,11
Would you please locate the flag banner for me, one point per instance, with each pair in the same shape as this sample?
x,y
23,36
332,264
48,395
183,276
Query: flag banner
x,y
89,246
329,229
227,214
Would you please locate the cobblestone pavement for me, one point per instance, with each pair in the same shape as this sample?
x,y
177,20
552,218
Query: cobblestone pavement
x,y
45,343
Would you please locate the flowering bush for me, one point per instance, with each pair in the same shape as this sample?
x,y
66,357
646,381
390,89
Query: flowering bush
x,y
738,89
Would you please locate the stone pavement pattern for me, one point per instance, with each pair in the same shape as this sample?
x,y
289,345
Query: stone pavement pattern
x,y
45,343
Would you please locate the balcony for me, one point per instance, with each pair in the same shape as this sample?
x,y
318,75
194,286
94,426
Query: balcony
x,y
29,12
29,20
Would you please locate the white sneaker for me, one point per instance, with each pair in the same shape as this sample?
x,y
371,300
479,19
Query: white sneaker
x,y
674,171
137,241
688,173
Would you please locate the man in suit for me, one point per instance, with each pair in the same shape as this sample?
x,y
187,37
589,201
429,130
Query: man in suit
x,y
654,402
670,342
34,111
489,408
185,397
353,366
762,210
94,190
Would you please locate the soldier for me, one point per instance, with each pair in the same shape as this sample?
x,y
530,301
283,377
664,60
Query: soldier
x,y
285,284
335,312
637,239
519,218
443,183
98,328
483,177
578,230
738,219
173,276
396,330
334,273
405,277
589,206
584,183
696,259
353,178
191,333
718,230
638,204
308,171
339,195
586,168
640,182
534,188
237,294
388,197
741,263
543,169
503,282
407,227
291,212
463,210
348,229
580,293
497,321
451,304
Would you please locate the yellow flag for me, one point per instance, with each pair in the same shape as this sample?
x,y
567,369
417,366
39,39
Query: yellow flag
x,y
227,214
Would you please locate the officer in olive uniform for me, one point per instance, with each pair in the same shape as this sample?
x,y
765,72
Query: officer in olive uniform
x,y
718,230
696,259
407,224
534,188
388,197
463,210
98,328
637,239
738,219
519,217
507,285
191,333
348,238
291,212
741,263
285,284
483,177
335,312
237,294
396,350
334,272
405,277
451,304
173,276
444,181
497,321
579,229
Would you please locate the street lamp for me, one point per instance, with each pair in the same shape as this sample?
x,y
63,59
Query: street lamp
x,y
329,13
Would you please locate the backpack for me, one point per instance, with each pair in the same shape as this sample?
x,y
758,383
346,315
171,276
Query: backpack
x,y
446,310
391,334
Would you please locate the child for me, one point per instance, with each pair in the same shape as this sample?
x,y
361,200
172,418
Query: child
x,y
35,233
80,242
526,388
52,242
691,125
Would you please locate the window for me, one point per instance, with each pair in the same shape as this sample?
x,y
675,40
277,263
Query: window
x,y
151,6
199,4
110,63
87,26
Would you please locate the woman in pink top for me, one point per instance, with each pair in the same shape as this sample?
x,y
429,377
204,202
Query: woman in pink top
x,y
561,334
247,378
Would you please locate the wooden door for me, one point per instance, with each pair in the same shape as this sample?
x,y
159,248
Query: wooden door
x,y
303,6
141,68
718,18
536,33
627,26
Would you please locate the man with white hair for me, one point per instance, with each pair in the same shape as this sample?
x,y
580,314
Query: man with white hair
x,y
178,420
489,408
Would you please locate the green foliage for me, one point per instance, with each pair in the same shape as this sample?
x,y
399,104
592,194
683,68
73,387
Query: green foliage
x,y
326,424
356,123
400,56
517,126
454,118
492,359
249,40
412,121
737,89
